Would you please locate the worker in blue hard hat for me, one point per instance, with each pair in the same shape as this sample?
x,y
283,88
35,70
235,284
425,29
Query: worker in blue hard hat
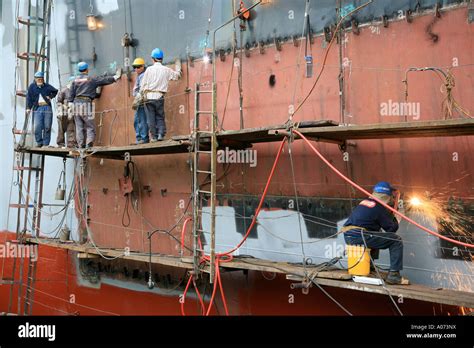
x,y
38,99
82,93
154,86
66,125
364,227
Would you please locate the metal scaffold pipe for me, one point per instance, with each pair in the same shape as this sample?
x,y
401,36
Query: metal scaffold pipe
x,y
214,32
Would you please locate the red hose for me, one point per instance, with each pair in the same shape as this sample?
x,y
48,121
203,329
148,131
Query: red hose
x,y
377,200
227,256
183,231
213,293
203,307
254,220
220,257
184,295
218,274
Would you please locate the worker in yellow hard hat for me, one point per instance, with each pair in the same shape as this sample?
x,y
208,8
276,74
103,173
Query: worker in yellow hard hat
x,y
140,122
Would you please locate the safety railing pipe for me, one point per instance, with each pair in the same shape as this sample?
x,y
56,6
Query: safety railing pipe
x,y
214,38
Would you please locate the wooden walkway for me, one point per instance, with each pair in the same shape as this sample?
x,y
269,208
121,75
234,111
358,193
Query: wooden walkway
x,y
324,131
333,278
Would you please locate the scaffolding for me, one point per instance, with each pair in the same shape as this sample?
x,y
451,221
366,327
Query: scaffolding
x,y
32,55
203,144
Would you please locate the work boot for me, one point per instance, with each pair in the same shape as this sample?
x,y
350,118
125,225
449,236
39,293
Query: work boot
x,y
161,137
139,142
394,278
373,268
90,145
153,140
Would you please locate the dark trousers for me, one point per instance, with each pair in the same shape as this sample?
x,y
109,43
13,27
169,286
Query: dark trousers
x,y
155,114
85,124
380,240
66,127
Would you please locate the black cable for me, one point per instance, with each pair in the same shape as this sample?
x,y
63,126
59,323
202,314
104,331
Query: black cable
x,y
308,31
126,213
129,172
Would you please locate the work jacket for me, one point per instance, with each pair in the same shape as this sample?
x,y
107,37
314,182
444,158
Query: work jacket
x,y
136,88
156,79
62,95
47,91
371,216
85,86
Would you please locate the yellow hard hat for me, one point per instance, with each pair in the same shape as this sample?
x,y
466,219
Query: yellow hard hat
x,y
138,62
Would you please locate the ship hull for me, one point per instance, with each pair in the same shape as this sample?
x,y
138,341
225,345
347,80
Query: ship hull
x,y
375,64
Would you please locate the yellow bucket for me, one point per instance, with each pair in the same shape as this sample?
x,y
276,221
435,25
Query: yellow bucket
x,y
358,260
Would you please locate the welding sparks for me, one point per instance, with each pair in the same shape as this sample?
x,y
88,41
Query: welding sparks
x,y
415,201
452,216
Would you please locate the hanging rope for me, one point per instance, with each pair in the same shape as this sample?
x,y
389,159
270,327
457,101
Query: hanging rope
x,y
449,104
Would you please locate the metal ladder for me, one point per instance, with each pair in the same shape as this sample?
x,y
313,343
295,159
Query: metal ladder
x,y
200,195
25,164
30,286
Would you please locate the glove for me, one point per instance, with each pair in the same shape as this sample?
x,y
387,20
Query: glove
x,y
118,74
60,107
70,109
177,64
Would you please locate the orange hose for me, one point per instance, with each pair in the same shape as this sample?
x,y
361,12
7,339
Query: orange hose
x,y
227,256
184,295
183,230
377,200
254,220
224,302
203,307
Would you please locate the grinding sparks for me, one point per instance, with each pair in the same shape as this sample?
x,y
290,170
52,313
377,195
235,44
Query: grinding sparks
x,y
415,201
452,216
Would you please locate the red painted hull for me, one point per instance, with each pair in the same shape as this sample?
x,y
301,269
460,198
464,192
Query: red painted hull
x,y
374,75
57,283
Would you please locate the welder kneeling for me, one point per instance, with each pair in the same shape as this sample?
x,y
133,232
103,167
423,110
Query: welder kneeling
x,y
364,227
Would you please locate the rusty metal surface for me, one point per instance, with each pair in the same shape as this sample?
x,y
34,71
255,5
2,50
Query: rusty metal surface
x,y
377,59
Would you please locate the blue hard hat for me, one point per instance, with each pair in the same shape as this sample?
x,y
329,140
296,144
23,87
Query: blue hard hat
x,y
157,53
383,187
82,66
39,75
